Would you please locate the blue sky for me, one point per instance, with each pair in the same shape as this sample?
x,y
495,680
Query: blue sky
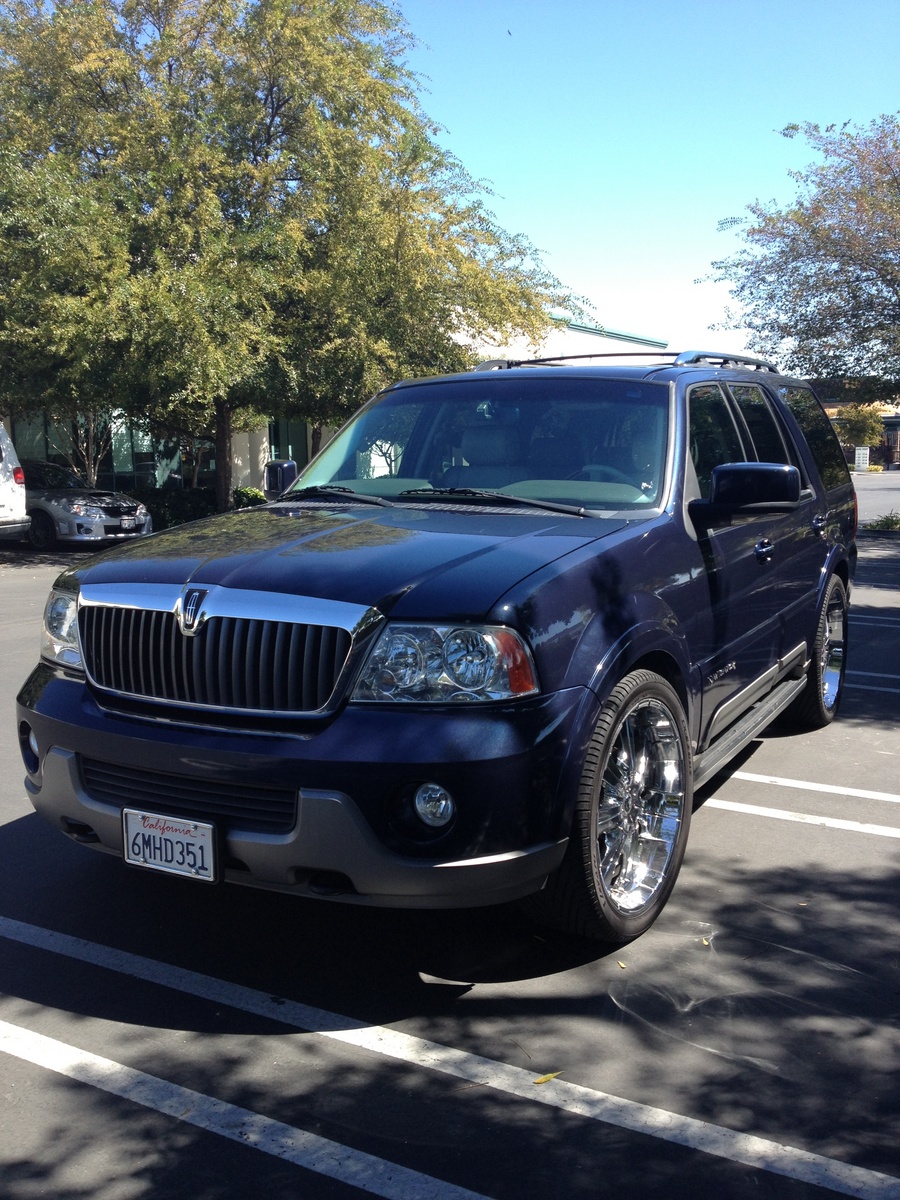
x,y
616,136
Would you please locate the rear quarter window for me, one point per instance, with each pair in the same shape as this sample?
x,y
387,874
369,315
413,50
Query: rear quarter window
x,y
819,433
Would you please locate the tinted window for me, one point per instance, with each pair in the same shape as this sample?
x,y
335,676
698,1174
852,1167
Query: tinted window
x,y
819,433
761,422
714,438
597,442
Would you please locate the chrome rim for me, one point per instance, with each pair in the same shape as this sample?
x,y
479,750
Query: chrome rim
x,y
641,806
832,660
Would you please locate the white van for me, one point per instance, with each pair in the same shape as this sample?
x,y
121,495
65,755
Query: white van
x,y
14,523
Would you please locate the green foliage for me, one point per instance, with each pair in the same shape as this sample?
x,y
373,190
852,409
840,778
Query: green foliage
x,y
889,522
860,425
176,506
818,282
246,497
214,211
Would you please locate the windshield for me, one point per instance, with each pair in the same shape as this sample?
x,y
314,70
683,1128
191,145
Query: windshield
x,y
600,443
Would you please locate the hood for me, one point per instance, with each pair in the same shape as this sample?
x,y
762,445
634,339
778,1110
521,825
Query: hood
x,y
98,496
426,563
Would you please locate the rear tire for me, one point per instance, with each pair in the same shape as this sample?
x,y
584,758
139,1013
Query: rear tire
x,y
818,703
632,816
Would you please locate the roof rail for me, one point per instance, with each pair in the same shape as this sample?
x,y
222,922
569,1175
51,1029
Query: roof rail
x,y
689,357
684,358
498,364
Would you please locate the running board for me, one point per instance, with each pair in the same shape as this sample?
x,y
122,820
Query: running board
x,y
737,736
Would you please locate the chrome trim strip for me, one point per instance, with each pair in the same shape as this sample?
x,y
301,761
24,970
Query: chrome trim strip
x,y
731,709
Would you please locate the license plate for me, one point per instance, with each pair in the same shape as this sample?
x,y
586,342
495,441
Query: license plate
x,y
171,844
128,522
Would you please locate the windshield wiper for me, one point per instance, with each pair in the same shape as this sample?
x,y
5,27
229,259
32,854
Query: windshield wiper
x,y
334,489
453,493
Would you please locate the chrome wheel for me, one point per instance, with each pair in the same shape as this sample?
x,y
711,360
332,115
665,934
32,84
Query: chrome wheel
x,y
831,660
632,816
818,703
640,807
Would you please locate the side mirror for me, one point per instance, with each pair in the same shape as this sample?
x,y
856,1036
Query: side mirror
x,y
755,485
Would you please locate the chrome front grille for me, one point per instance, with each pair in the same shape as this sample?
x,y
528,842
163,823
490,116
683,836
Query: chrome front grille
x,y
228,662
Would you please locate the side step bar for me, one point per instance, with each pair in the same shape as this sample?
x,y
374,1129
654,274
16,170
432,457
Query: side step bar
x,y
745,730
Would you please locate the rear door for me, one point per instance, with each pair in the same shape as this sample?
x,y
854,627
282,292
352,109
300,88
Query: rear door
x,y
799,551
747,558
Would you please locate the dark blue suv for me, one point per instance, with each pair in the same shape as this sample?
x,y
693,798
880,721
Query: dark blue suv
x,y
484,647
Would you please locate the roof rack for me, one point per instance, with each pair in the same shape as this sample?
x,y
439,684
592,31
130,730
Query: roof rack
x,y
685,358
502,364
689,357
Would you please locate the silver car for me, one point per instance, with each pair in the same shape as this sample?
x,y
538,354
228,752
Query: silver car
x,y
64,509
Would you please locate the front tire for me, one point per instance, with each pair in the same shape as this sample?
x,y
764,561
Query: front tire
x,y
42,534
818,703
632,816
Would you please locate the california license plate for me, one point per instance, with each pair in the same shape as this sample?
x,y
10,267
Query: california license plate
x,y
171,844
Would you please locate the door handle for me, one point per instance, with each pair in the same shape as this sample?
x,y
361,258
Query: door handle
x,y
820,523
764,550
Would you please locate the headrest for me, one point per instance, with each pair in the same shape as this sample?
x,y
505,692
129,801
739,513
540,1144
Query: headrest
x,y
490,445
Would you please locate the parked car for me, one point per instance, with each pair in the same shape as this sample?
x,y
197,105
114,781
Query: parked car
x,y
64,509
14,521
485,646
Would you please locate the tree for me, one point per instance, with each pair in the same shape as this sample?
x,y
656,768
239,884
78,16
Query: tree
x,y
818,282
860,425
248,211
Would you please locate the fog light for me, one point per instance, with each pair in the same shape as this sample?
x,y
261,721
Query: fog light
x,y
31,753
434,805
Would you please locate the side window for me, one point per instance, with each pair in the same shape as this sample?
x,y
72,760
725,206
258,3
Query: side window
x,y
714,438
761,423
819,433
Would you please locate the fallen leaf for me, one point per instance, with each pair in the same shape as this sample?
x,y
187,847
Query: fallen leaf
x,y
547,1078
621,964
706,941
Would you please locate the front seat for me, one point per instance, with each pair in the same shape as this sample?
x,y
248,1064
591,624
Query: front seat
x,y
492,455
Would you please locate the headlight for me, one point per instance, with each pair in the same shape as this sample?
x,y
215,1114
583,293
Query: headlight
x,y
59,636
440,663
81,508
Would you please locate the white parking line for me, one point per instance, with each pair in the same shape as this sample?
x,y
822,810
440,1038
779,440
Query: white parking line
x,y
804,785
307,1150
758,1153
781,814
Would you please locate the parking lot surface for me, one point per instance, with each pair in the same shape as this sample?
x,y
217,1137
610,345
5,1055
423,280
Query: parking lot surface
x,y
163,1037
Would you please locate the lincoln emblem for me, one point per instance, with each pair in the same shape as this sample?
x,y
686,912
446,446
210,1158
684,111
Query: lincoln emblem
x,y
190,608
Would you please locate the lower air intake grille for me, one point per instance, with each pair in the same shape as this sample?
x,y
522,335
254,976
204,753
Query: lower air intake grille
x,y
244,806
234,663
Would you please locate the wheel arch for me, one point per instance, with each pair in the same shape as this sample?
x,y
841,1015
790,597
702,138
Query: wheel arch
x,y
657,651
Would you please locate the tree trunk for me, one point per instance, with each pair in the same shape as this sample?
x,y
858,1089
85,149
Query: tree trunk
x,y
224,498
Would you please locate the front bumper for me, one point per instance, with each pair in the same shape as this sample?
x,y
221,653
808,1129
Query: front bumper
x,y
502,766
80,530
